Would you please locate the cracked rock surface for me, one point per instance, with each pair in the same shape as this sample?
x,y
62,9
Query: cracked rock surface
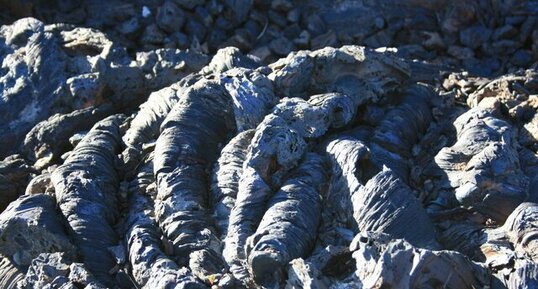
x,y
268,144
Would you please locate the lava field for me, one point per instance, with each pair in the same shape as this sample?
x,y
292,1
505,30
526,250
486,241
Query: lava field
x,y
347,144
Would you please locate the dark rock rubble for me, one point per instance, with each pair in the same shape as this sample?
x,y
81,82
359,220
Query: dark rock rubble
x,y
268,144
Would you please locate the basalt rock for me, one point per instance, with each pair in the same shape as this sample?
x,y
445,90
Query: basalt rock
x,y
129,163
90,207
385,263
31,228
280,140
485,38
50,69
288,228
481,170
226,176
15,173
49,139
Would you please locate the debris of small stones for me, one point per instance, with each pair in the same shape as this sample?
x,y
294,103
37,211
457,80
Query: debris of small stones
x,y
170,18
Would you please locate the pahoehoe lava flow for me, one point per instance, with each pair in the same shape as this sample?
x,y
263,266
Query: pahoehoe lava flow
x,y
349,144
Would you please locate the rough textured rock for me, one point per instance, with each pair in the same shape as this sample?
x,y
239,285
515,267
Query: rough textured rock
x,y
146,123
14,175
49,270
30,226
144,127
385,263
520,229
40,71
150,265
288,228
401,129
484,38
386,204
187,146
49,139
345,70
280,140
245,162
508,252
89,206
360,155
49,69
482,168
225,178
11,275
344,154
